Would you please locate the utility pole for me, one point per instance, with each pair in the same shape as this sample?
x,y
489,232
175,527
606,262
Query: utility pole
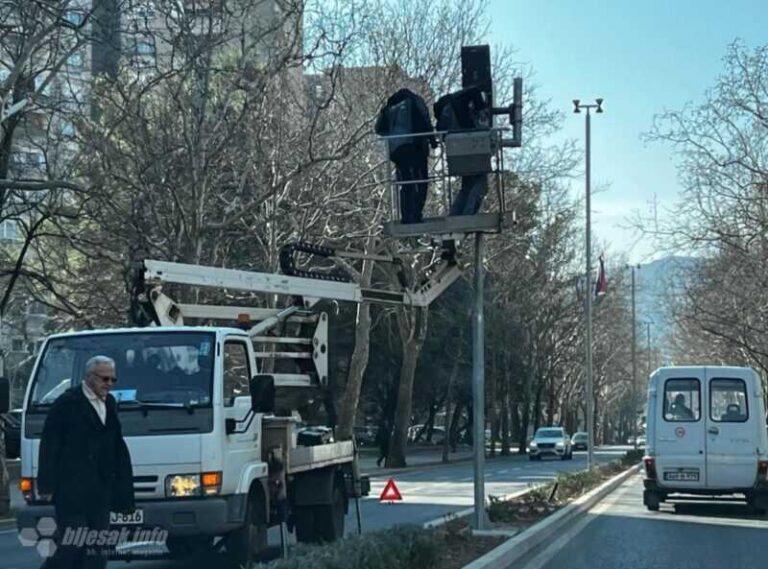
x,y
634,361
648,324
588,272
478,386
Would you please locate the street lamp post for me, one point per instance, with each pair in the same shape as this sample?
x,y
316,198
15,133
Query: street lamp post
x,y
633,396
648,324
577,107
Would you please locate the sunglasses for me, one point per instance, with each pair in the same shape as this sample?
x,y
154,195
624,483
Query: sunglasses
x,y
106,378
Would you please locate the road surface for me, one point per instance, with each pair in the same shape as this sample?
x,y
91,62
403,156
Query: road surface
x,y
429,492
619,533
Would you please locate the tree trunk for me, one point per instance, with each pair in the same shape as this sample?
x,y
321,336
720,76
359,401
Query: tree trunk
x,y
413,330
454,430
5,480
525,421
359,362
449,426
537,410
505,418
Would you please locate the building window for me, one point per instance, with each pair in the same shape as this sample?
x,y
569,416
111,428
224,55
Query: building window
x,y
145,47
9,230
67,128
75,60
38,308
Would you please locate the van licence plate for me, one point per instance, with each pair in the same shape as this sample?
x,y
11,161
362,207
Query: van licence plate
x,y
682,476
132,519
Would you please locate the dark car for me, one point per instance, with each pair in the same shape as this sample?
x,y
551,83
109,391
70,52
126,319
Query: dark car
x,y
11,425
580,441
366,436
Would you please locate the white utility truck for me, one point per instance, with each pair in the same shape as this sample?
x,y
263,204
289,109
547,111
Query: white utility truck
x,y
217,453
706,435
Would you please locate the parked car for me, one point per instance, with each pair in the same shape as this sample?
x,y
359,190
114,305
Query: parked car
x,y
550,441
11,425
580,441
706,435
366,436
314,435
641,441
438,435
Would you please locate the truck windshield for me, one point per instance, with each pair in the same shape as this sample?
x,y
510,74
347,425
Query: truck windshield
x,y
154,367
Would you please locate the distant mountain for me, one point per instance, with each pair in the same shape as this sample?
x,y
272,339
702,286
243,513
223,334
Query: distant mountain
x,y
657,285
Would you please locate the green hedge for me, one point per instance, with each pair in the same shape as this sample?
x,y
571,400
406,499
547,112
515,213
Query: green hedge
x,y
402,547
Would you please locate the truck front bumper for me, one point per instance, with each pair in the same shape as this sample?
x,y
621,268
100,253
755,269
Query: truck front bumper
x,y
205,516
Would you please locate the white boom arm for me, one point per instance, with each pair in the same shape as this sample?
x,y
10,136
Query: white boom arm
x,y
310,290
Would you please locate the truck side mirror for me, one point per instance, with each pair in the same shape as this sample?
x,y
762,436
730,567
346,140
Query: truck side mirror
x,y
5,395
262,387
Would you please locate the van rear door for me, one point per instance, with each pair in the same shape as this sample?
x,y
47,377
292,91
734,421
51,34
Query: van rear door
x,y
732,423
680,432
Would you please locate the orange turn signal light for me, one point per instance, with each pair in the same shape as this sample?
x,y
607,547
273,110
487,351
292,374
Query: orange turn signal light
x,y
26,485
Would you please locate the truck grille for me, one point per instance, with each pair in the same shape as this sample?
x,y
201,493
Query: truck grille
x,y
546,445
144,484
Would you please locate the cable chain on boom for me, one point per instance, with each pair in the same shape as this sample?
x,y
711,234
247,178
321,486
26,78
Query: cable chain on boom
x,y
288,262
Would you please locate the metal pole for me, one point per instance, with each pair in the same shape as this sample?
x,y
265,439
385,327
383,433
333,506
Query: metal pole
x,y
649,348
634,364
478,386
589,386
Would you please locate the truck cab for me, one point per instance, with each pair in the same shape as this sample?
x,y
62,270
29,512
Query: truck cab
x,y
211,459
706,435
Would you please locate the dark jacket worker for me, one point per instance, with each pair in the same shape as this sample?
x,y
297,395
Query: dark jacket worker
x,y
85,467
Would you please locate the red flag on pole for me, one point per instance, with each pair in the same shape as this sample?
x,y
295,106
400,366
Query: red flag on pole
x,y
601,286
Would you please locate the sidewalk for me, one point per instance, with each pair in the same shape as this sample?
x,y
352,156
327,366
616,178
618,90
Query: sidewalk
x,y
416,457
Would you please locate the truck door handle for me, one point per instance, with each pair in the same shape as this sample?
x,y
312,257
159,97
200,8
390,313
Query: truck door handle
x,y
713,431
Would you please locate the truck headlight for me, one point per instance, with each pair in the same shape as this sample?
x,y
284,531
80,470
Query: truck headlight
x,y
533,444
185,485
182,485
560,444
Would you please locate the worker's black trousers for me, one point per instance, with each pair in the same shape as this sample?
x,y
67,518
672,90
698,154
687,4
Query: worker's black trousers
x,y
413,193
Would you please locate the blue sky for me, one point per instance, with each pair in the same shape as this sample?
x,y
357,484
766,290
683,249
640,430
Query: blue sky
x,y
641,56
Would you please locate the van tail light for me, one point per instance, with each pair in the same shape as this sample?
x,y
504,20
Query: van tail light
x,y
27,488
762,470
650,467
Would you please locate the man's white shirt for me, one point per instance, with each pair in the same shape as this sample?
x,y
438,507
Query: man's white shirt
x,y
97,402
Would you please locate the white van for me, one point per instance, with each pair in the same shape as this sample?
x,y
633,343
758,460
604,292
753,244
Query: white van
x,y
706,435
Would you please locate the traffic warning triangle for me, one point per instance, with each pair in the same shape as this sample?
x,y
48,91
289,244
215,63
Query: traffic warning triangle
x,y
390,492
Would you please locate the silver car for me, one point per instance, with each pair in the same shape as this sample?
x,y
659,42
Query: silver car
x,y
550,441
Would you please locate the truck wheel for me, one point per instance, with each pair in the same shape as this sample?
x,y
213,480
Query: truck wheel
x,y
652,501
248,542
182,547
758,504
316,524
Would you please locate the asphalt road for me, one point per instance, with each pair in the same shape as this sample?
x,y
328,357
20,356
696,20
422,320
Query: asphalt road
x,y
428,492
619,533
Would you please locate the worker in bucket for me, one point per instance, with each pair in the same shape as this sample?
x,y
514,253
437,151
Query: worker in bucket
x,y
407,114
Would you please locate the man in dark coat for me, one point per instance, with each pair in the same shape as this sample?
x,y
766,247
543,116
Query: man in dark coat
x,y
85,467
404,114
467,109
